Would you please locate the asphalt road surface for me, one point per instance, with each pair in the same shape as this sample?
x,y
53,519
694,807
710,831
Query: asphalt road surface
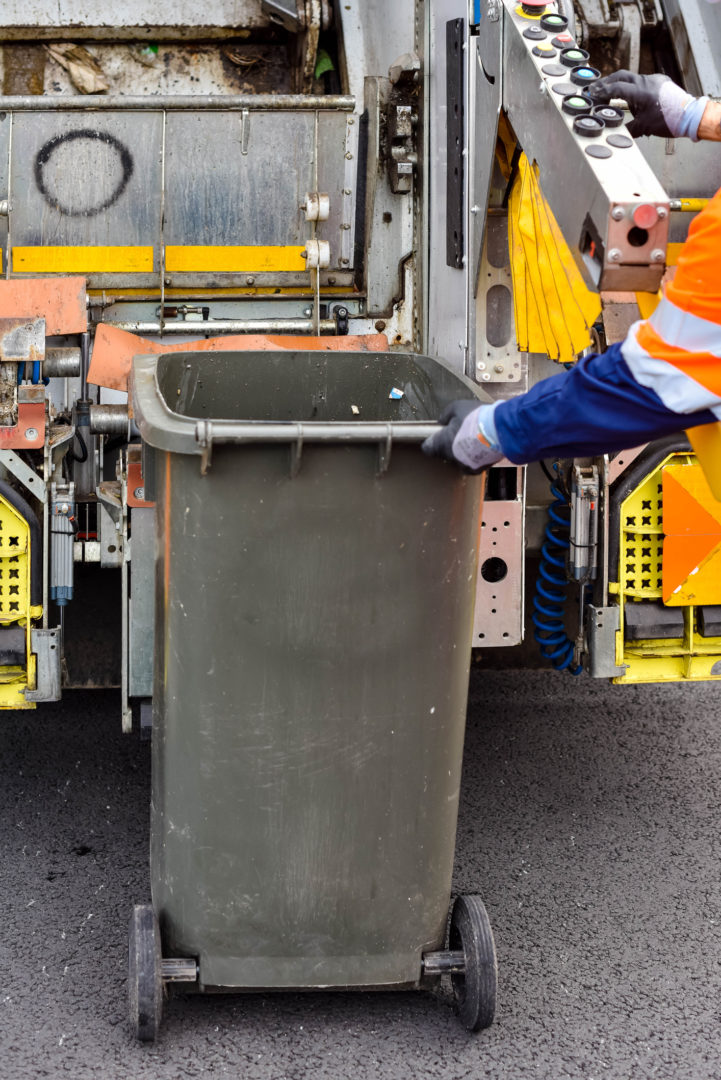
x,y
589,822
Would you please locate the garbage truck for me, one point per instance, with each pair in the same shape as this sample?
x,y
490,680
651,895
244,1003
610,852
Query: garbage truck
x,y
365,182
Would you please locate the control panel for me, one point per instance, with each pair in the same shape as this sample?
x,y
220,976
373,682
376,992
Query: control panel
x,y
607,200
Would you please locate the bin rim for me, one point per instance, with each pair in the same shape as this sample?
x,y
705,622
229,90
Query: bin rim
x,y
164,429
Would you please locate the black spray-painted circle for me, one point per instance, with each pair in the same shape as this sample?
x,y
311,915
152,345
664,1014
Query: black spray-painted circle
x,y
46,152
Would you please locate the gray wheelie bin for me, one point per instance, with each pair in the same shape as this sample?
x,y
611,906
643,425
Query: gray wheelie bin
x,y
314,605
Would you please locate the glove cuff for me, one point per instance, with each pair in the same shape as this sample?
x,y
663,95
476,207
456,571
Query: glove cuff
x,y
691,118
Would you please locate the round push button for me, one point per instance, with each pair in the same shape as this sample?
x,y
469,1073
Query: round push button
x,y
611,116
555,24
563,41
571,58
554,71
534,34
583,75
577,105
599,151
532,8
565,89
622,142
588,126
546,52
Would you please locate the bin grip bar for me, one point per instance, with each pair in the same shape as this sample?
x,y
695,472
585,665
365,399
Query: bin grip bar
x,y
208,433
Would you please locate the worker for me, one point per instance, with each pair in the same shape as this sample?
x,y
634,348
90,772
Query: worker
x,y
664,377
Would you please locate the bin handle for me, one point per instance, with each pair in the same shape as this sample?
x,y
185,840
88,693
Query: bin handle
x,y
210,432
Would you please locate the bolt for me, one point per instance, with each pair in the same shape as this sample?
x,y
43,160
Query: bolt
x,y
331,281
139,494
345,225
615,255
498,368
307,311
662,212
542,88
380,325
475,209
657,255
618,213
480,366
486,377
167,280
345,261
349,156
31,433
250,281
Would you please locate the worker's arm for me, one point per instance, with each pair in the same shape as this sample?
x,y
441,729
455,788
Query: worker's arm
x,y
710,124
659,106
666,376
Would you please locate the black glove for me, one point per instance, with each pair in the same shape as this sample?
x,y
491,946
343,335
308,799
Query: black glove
x,y
659,106
460,440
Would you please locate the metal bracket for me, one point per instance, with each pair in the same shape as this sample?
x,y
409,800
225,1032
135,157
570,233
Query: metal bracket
x,y
46,646
22,472
341,319
602,626
285,13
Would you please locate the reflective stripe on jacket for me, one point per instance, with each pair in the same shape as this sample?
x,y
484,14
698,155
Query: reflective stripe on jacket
x,y
677,352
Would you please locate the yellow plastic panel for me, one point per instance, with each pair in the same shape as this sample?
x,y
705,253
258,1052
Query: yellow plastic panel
x,y
82,260
15,607
230,259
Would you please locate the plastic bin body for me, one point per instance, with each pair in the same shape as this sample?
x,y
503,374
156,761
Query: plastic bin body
x,y
313,637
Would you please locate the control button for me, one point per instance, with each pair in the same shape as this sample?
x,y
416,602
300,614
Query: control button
x,y
582,76
577,105
588,126
547,52
611,116
645,216
556,24
599,151
622,142
553,70
563,41
532,8
571,58
534,34
565,89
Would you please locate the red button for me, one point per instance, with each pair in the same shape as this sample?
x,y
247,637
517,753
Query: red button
x,y
645,216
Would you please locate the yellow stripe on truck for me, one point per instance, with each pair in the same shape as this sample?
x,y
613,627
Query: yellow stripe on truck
x,y
255,259
82,260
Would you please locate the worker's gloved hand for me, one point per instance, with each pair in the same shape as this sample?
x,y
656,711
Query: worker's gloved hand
x,y
461,440
659,106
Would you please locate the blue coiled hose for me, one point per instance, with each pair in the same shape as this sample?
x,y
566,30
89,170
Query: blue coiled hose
x,y
551,585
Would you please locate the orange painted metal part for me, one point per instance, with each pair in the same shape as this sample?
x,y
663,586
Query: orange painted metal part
x,y
31,417
136,482
114,349
59,300
692,538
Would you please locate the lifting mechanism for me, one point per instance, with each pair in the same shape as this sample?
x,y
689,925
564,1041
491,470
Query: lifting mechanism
x,y
428,178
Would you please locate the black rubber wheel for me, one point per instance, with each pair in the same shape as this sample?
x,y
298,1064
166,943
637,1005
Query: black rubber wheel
x,y
145,983
474,990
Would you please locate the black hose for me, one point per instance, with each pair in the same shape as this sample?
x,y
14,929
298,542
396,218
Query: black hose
x,y
83,448
36,548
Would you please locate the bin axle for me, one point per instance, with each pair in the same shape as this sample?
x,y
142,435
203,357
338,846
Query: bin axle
x,y
178,970
448,962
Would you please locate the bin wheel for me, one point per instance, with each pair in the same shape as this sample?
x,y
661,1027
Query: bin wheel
x,y
145,983
475,989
